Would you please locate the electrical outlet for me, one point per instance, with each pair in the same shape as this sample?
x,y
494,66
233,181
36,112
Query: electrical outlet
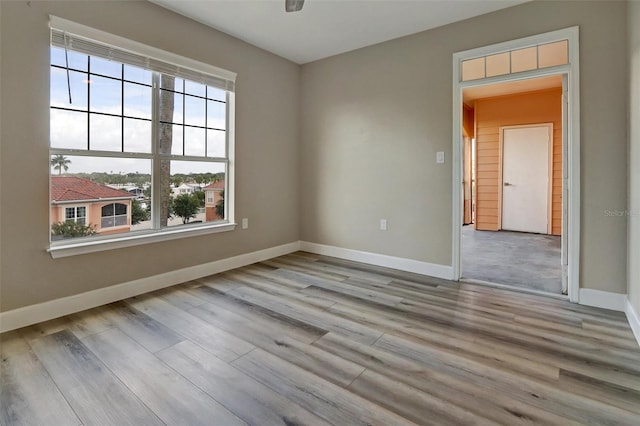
x,y
383,224
245,223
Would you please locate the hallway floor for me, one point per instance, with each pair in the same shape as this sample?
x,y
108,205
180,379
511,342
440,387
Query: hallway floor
x,y
518,259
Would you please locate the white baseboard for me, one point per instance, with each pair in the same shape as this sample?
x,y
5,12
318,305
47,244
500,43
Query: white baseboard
x,y
603,299
634,320
45,311
402,264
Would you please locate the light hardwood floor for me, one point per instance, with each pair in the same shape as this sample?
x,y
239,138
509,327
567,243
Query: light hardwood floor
x,y
306,339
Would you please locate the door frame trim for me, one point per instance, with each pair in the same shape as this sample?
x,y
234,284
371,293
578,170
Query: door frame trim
x,y
549,126
571,147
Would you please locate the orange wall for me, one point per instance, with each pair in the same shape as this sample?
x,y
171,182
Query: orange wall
x,y
512,110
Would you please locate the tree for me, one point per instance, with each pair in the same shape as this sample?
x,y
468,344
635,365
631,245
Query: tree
x,y
186,206
138,214
200,196
220,206
60,162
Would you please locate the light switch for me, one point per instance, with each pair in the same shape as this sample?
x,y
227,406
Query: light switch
x,y
245,223
440,157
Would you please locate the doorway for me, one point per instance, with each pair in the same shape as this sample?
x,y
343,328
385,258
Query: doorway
x,y
544,55
517,159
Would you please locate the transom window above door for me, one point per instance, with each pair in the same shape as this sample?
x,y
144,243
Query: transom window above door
x,y
514,61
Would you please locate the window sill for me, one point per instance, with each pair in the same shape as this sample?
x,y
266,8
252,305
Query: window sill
x,y
84,247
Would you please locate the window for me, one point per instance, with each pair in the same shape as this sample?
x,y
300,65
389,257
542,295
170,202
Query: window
x,y
114,215
519,60
146,134
75,214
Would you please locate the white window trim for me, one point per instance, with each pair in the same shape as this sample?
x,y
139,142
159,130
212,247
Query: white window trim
x,y
74,206
57,250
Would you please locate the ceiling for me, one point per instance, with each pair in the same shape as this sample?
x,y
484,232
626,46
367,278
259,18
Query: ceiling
x,y
509,88
325,28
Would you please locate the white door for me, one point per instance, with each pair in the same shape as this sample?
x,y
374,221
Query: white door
x,y
525,179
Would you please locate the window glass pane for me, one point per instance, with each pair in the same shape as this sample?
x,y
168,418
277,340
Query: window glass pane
x,y
498,64
179,85
68,129
70,213
105,133
524,59
216,143
193,88
106,95
105,67
177,148
120,208
178,109
138,75
553,54
194,142
473,69
170,107
137,135
190,180
60,89
216,115
217,94
137,100
77,60
194,111
107,210
90,178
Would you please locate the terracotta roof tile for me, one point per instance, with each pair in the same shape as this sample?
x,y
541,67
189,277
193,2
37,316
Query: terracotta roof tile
x,y
215,185
68,188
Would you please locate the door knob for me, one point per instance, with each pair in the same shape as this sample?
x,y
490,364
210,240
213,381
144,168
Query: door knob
x,y
508,184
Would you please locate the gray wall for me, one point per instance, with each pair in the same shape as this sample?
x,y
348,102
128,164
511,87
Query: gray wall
x,y
374,119
633,264
266,141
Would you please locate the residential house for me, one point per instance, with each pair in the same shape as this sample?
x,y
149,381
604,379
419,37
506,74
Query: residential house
x,y
80,200
184,188
214,193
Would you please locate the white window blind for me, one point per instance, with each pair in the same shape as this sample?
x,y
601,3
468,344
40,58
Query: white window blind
x,y
69,35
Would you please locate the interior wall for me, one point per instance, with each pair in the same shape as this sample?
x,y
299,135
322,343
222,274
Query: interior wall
x,y
513,110
374,119
267,110
633,209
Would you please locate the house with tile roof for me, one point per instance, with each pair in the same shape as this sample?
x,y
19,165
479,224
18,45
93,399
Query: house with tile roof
x,y
214,192
83,201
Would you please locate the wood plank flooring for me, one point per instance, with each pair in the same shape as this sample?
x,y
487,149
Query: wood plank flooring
x,y
312,340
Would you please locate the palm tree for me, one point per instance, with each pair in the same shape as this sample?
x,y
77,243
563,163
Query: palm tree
x,y
59,162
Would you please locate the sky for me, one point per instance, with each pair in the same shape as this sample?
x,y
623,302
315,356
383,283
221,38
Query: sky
x,y
70,129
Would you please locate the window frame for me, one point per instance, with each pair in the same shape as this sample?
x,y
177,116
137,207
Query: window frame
x,y
156,234
75,214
